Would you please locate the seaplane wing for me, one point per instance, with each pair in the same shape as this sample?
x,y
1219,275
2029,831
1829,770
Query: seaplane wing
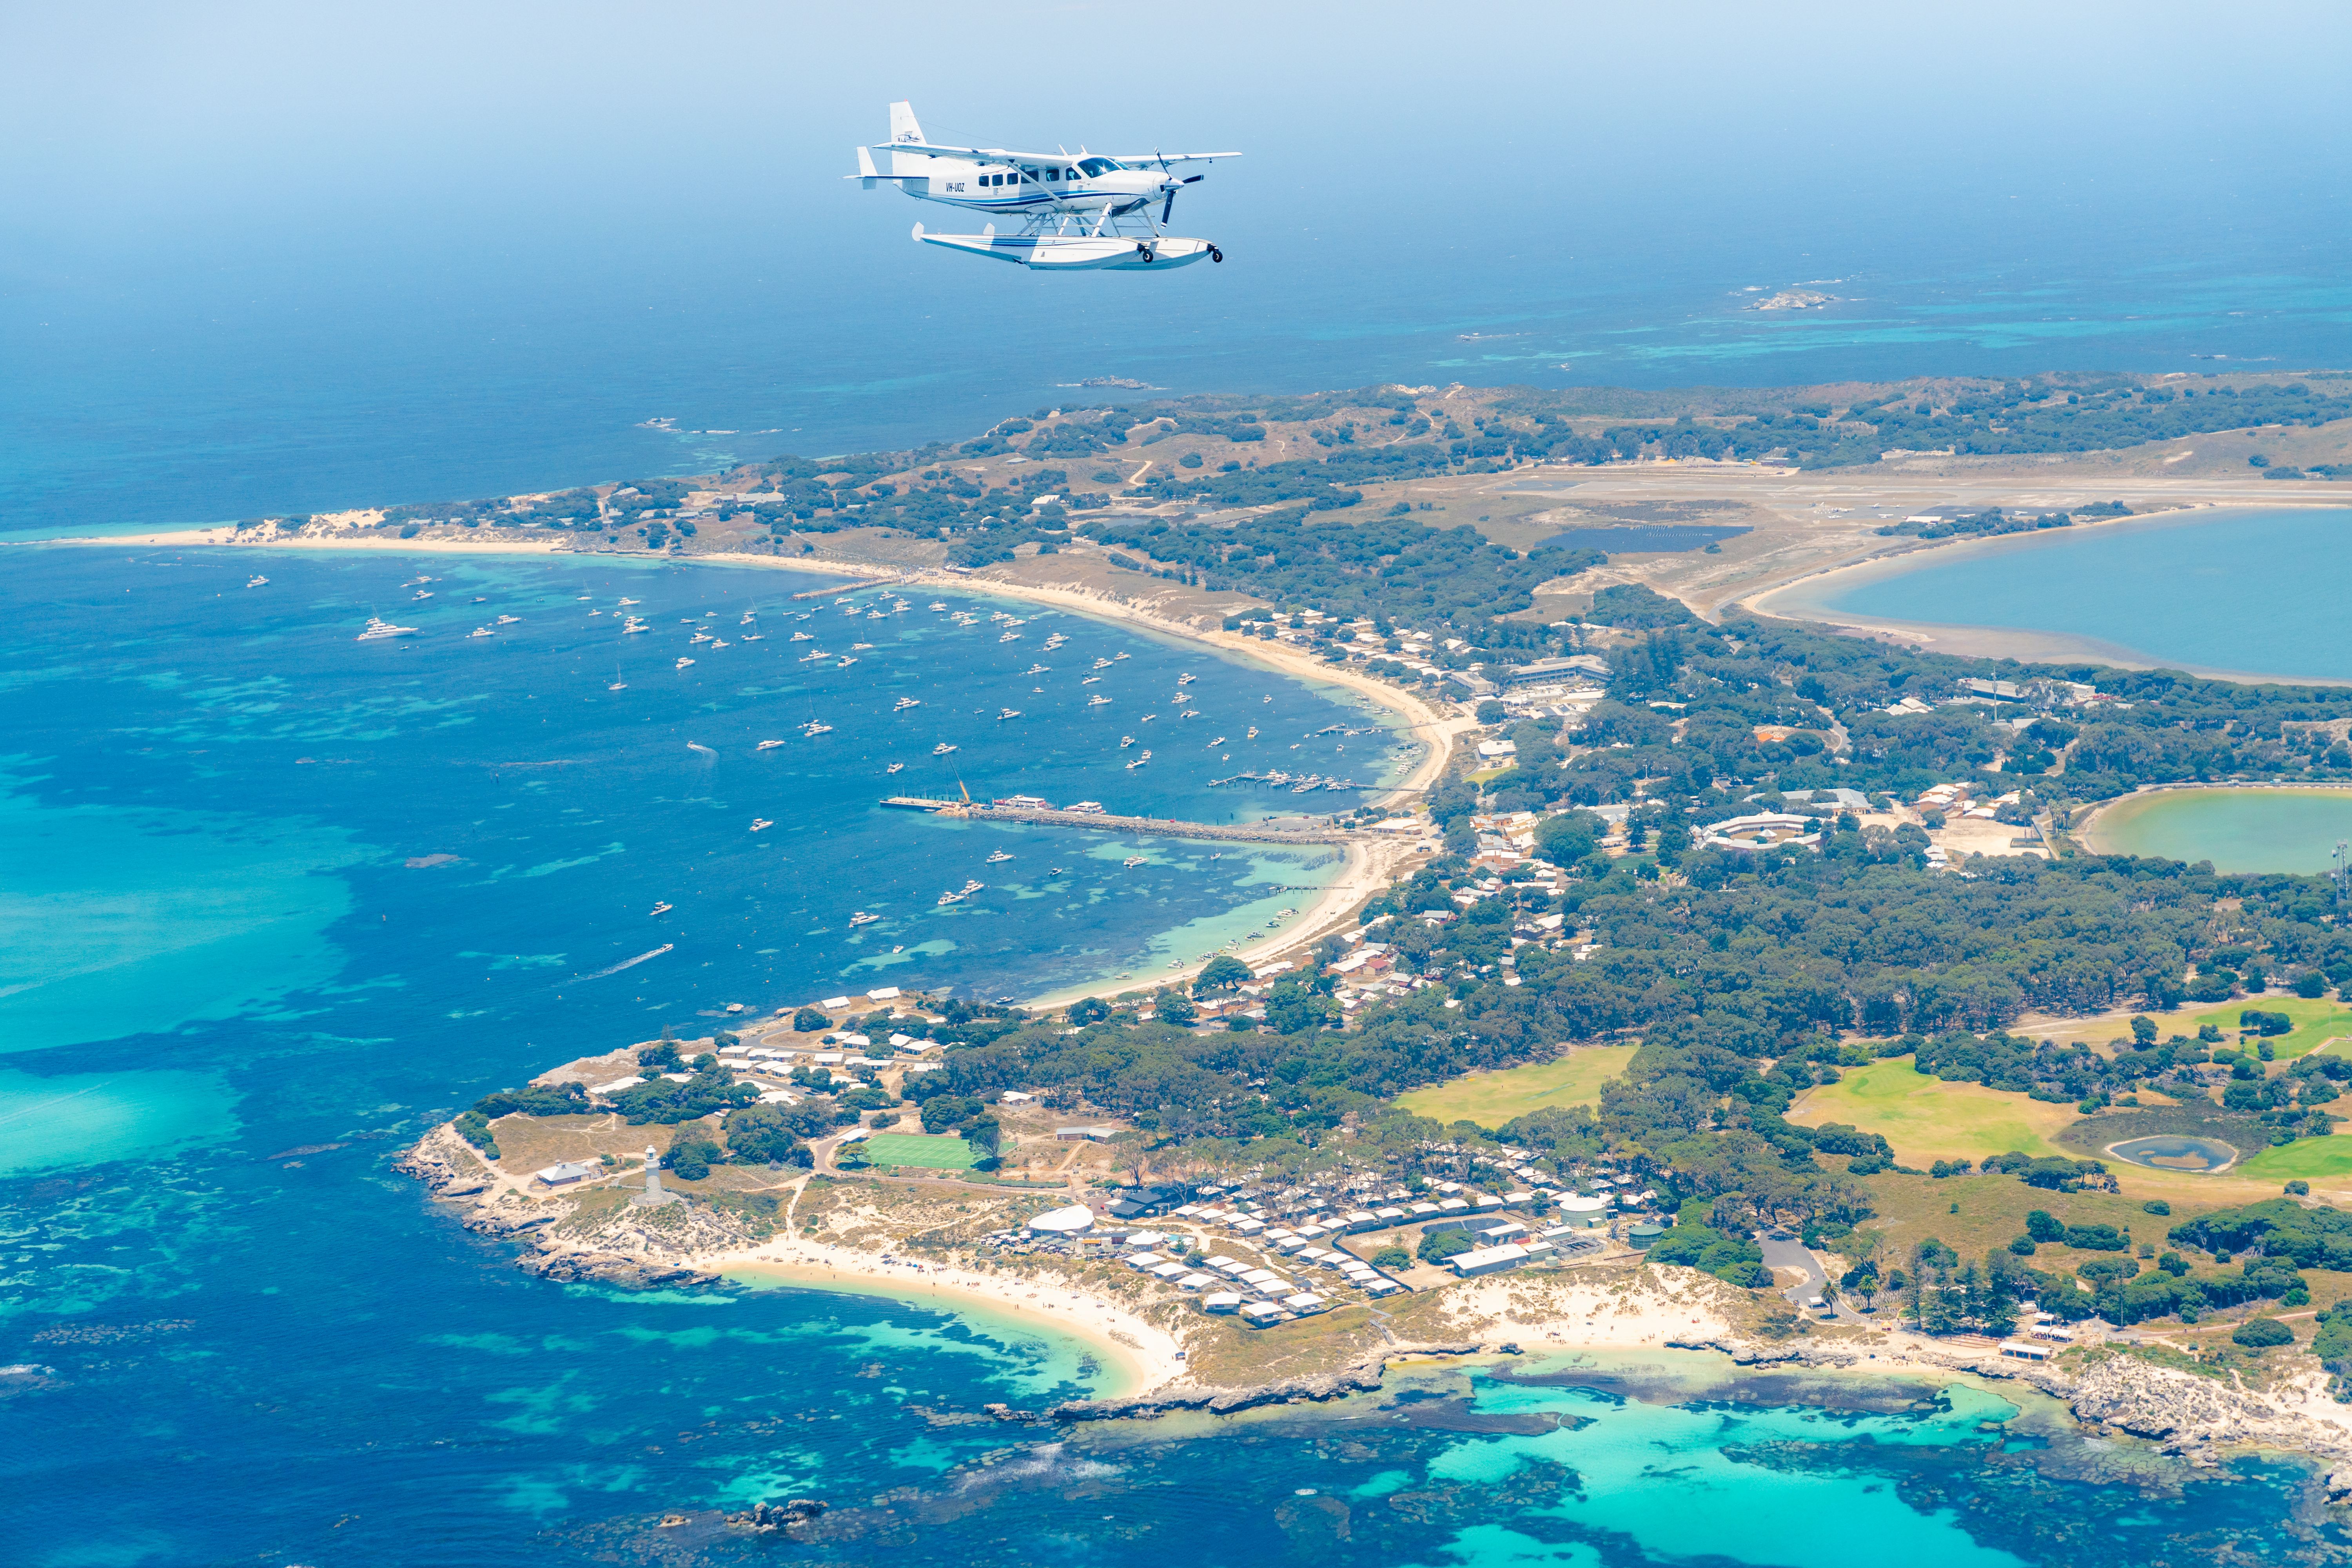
x,y
1140,160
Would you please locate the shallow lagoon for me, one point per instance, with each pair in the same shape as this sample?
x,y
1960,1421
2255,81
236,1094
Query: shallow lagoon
x,y
2285,830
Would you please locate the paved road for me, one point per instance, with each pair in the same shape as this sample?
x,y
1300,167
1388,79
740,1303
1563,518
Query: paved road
x,y
1793,1255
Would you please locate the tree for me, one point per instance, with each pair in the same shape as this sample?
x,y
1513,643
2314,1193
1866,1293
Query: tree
x,y
1088,1010
809,1021
1392,1257
1222,973
985,1134
1437,1246
1175,1007
693,1155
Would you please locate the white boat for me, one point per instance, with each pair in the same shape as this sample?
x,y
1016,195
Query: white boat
x,y
951,897
1125,742
660,909
800,637
760,822
813,729
894,767
378,630
510,620
1010,637
767,745
633,628
973,887
999,854
862,919
942,749
1135,764
906,702
632,600
256,581
717,645
844,664
815,655
1034,669
1004,713
938,606
1253,734
1133,861
753,637
683,662
423,594
1218,741
700,636
1183,681
1098,700
1102,664
1145,756
481,632
1117,657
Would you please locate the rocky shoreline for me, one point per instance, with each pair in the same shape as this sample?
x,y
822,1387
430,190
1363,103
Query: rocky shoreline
x,y
2200,1419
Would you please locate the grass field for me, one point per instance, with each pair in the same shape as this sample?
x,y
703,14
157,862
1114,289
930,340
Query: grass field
x,y
943,1153
2316,1022
1491,1098
2312,1158
1928,1119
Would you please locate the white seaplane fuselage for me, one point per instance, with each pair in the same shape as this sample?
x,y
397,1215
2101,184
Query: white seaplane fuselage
x,y
1079,210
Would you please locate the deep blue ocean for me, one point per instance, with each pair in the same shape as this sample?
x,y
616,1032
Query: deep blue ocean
x,y
276,900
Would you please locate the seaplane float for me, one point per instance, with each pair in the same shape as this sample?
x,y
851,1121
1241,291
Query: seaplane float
x,y
1077,212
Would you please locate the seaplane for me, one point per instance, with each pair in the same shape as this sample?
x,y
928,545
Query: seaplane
x,y
1078,211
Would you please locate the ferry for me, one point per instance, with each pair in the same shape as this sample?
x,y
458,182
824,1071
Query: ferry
x,y
1125,742
862,919
683,663
1004,713
894,767
256,581
760,822
1133,861
906,702
659,909
1097,700
378,629
942,749
999,854
800,637
510,620
481,632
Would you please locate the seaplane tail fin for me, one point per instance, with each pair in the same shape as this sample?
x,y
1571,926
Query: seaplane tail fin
x,y
902,122
867,173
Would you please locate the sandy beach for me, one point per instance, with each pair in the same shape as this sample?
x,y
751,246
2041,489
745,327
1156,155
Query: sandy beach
x,y
1139,1356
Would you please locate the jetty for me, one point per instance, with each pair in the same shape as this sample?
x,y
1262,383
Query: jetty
x,y
857,587
1166,826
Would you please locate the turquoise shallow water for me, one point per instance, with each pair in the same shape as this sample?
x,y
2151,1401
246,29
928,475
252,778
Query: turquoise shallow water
x,y
2259,591
2237,830
273,901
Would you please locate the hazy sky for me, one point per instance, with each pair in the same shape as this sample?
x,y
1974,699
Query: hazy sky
x,y
227,126
274,255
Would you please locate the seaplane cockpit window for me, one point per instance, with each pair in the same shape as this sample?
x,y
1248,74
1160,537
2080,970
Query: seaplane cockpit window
x,y
1090,167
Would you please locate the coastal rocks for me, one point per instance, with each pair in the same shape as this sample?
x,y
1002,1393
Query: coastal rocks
x,y
768,1516
2155,1402
1364,1377
2339,1484
568,1268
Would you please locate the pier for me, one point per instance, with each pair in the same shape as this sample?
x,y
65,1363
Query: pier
x,y
1166,826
